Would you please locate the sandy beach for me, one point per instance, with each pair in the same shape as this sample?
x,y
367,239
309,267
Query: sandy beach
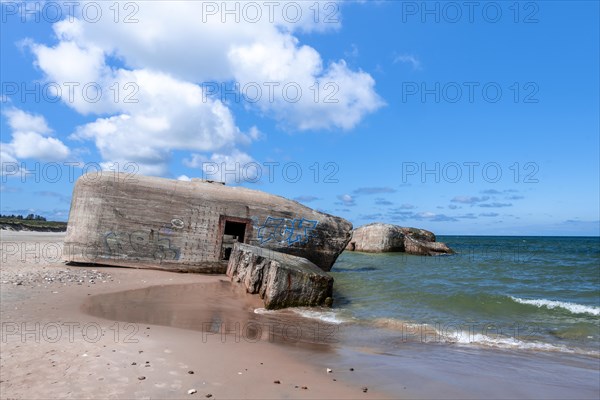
x,y
52,347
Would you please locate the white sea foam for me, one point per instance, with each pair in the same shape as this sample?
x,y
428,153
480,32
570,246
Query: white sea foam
x,y
330,317
264,311
449,334
551,304
505,342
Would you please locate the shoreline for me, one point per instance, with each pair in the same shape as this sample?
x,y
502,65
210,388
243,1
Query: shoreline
x,y
62,352
186,322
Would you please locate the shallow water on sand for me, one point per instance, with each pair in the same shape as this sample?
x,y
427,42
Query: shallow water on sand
x,y
216,309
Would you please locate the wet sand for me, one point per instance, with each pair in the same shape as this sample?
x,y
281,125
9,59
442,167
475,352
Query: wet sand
x,y
54,344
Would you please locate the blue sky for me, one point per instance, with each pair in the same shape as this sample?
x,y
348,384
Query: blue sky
x,y
460,120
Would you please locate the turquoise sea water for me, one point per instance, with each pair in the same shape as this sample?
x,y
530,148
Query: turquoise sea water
x,y
532,293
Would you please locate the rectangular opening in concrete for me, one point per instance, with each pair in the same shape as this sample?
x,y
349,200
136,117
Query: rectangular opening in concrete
x,y
234,230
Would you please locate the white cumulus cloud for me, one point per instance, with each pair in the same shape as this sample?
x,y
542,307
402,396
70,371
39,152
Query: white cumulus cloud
x,y
142,79
31,139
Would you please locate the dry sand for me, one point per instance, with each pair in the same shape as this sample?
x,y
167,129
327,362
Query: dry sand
x,y
56,342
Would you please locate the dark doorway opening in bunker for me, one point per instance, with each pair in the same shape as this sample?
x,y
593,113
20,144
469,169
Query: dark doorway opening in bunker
x,y
232,232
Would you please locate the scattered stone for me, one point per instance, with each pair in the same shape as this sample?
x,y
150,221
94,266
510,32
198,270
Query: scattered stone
x,y
329,370
208,396
141,378
305,387
365,389
277,382
53,277
192,391
335,380
351,369
191,372
134,363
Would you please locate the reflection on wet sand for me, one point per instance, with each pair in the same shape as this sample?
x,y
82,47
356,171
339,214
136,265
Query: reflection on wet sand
x,y
215,309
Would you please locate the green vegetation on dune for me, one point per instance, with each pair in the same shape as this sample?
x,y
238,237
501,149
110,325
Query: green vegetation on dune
x,y
31,223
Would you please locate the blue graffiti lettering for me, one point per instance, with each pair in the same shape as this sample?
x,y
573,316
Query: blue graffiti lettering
x,y
141,244
299,230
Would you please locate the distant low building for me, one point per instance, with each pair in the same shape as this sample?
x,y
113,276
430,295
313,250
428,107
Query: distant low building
x,y
148,222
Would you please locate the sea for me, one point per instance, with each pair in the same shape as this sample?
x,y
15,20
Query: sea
x,y
505,292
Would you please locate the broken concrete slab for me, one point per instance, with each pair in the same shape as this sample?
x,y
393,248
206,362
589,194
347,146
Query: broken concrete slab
x,y
281,280
383,238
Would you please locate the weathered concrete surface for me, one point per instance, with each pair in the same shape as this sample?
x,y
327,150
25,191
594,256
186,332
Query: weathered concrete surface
x,y
148,222
281,280
383,238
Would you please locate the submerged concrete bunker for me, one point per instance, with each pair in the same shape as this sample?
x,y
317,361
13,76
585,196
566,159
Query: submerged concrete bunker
x,y
192,226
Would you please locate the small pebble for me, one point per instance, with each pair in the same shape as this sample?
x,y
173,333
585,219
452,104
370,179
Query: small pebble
x,y
208,396
134,363
277,382
351,369
365,389
192,391
329,370
141,378
305,387
191,372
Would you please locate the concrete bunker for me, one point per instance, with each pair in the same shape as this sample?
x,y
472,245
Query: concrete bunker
x,y
192,226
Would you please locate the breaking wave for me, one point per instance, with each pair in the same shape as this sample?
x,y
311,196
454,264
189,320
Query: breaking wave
x,y
552,304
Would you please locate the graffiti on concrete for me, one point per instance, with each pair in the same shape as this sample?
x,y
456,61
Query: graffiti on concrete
x,y
284,230
141,244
